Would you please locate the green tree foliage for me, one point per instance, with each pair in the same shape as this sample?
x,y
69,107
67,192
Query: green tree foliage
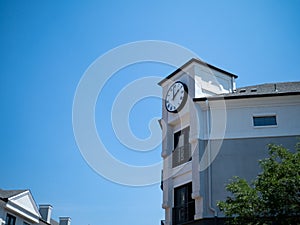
x,y
273,197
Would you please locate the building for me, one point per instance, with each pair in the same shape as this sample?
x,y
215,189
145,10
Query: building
x,y
17,207
213,131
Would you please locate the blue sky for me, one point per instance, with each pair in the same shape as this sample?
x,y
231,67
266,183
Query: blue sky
x,y
46,46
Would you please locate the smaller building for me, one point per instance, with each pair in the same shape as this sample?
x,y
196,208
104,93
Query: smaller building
x,y
17,207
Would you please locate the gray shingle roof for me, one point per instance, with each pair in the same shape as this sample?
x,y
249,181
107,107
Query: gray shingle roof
x,y
53,222
285,87
4,194
261,90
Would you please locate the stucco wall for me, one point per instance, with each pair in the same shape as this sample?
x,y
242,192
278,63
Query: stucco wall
x,y
237,157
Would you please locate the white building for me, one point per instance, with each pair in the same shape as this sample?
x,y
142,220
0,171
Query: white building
x,y
214,131
17,207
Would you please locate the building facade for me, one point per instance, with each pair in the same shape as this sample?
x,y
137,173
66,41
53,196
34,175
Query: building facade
x,y
213,131
17,207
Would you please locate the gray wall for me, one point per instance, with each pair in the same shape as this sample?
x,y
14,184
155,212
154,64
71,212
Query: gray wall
x,y
237,157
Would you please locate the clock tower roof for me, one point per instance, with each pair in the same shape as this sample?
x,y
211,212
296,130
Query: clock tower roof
x,y
196,61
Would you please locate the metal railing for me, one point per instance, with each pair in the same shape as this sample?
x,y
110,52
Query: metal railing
x,y
184,213
181,155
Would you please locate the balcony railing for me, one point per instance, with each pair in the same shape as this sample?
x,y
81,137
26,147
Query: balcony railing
x,y
183,213
181,155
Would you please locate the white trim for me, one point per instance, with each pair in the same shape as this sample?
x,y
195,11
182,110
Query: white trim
x,y
179,129
182,183
253,137
264,114
12,205
24,213
19,195
2,222
289,100
266,126
182,169
238,136
178,120
181,73
27,192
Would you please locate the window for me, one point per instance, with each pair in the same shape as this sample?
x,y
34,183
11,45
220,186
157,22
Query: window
x,y
259,121
182,150
184,205
25,223
10,220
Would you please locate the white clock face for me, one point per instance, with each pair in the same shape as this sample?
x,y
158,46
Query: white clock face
x,y
176,97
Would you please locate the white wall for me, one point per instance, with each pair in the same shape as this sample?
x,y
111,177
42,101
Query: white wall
x,y
239,117
2,214
209,82
19,220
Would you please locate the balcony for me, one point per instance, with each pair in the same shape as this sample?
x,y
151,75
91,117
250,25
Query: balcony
x,y
181,155
184,213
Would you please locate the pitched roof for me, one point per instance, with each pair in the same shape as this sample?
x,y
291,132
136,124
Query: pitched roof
x,y
199,62
285,87
262,90
5,194
53,222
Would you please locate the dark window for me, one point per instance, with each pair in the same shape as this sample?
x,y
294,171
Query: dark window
x,y
162,180
182,149
25,223
10,220
264,121
184,205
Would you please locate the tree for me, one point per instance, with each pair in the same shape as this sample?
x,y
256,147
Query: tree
x,y
273,197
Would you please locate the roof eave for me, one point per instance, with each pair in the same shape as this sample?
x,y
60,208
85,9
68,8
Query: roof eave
x,y
244,96
199,62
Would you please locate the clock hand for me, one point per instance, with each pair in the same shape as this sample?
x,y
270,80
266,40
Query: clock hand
x,y
173,93
176,92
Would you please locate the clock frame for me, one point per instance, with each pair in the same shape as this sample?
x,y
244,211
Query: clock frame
x,y
176,97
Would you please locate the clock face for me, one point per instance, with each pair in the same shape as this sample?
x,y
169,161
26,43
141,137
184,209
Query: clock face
x,y
176,97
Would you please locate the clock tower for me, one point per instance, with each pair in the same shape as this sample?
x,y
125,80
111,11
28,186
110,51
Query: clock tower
x,y
184,125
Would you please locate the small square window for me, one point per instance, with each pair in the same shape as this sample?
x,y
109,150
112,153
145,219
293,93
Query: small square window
x,y
259,121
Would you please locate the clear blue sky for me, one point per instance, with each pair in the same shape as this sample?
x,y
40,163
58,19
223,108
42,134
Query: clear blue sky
x,y
47,45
